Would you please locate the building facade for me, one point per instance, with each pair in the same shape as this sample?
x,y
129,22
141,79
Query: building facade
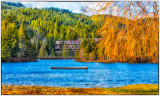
x,y
72,46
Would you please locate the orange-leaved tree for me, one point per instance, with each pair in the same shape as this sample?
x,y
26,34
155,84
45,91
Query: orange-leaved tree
x,y
129,32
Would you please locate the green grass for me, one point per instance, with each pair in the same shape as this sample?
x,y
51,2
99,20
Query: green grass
x,y
143,89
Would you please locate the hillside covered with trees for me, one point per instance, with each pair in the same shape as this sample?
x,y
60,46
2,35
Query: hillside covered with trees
x,y
41,28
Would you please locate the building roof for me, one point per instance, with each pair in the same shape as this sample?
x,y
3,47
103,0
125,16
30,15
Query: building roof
x,y
58,42
69,42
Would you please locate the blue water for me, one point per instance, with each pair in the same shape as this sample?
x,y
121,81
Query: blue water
x,y
97,74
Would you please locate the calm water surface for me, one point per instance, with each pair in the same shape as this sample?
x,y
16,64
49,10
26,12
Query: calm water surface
x,y
97,74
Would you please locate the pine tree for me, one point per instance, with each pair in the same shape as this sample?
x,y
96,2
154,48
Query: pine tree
x,y
52,54
43,52
50,44
5,49
9,40
56,28
76,54
83,43
68,35
62,33
12,29
65,52
81,34
26,48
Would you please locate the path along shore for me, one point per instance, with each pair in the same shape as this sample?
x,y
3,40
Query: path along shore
x,y
143,89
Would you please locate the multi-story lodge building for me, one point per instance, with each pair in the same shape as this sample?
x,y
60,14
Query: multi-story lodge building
x,y
72,46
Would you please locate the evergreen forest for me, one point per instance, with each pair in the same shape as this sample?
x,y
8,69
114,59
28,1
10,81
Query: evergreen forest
x,y
31,33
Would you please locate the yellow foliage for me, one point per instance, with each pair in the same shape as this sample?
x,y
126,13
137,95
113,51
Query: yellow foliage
x,y
131,35
143,89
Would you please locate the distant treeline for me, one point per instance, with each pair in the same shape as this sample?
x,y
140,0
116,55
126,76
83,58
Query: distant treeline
x,y
10,5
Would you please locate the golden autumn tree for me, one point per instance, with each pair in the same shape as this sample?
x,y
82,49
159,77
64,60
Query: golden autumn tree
x,y
129,32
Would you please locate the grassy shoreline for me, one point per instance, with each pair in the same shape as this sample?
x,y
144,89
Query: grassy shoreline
x,y
143,89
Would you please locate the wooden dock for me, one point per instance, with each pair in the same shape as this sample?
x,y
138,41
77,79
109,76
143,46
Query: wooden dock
x,y
69,67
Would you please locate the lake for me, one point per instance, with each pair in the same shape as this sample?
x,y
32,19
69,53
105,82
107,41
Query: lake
x,y
97,74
